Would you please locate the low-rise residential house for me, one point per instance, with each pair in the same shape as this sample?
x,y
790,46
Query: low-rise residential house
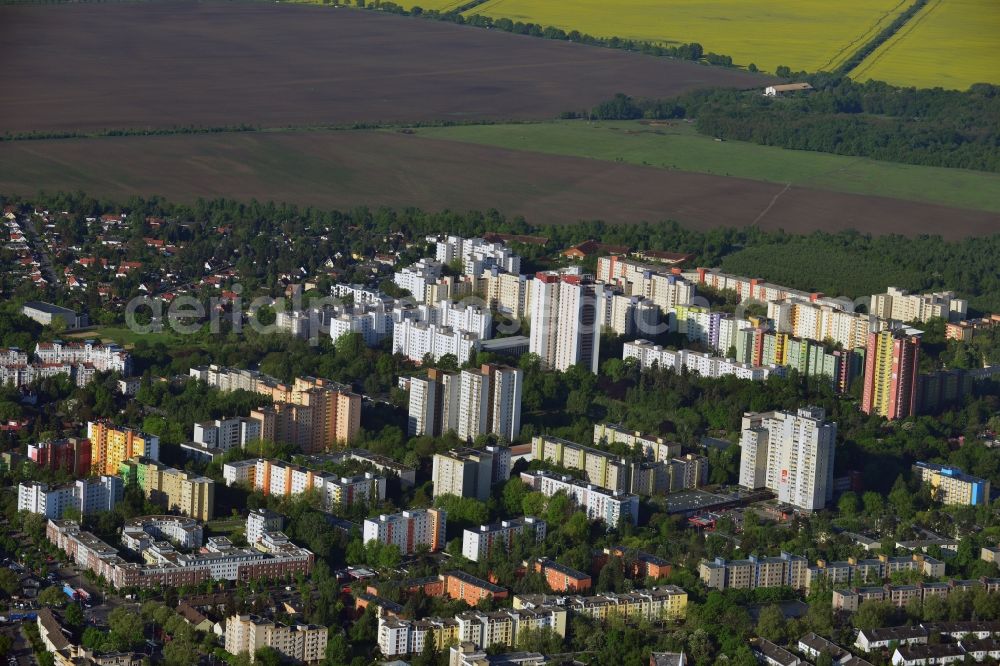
x,y
870,640
770,654
927,655
813,645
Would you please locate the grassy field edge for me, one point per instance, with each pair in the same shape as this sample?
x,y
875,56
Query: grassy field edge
x,y
676,145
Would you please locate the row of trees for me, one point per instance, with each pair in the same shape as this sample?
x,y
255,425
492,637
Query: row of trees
x,y
873,119
692,51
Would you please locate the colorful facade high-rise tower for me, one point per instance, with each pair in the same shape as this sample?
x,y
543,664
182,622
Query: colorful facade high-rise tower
x,y
565,327
892,361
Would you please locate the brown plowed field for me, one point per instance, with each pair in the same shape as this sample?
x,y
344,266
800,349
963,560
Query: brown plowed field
x,y
92,66
343,169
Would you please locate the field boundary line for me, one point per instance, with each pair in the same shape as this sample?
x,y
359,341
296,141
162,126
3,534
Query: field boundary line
x,y
114,133
871,30
857,59
876,55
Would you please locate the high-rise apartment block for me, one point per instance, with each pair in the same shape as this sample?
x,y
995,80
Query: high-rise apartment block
x,y
418,340
629,315
663,287
303,324
87,496
822,320
714,329
103,358
466,632
236,379
159,564
664,602
451,288
760,346
408,529
299,643
901,306
747,288
892,363
173,489
565,320
601,468
260,521
477,544
791,454
640,474
967,330
427,403
649,355
282,479
508,293
599,503
226,434
439,329
476,254
372,322
470,472
754,572
653,448
71,455
313,415
111,446
465,317
358,294
418,277
950,485
470,403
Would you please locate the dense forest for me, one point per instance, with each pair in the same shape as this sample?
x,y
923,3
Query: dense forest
x,y
931,127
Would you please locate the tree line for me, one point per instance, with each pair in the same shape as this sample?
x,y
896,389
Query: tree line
x,y
693,51
930,127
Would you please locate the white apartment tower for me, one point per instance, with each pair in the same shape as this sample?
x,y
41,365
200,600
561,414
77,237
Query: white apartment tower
x,y
408,529
226,434
791,454
463,473
425,405
897,304
470,403
565,320
505,396
473,404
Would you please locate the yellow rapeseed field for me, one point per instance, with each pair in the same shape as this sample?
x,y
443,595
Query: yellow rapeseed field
x,y
951,43
440,5
802,34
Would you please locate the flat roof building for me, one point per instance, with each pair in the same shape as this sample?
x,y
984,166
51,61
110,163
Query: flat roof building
x,y
47,314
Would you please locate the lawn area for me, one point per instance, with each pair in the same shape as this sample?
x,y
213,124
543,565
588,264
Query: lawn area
x,y
951,43
126,337
803,34
676,145
225,525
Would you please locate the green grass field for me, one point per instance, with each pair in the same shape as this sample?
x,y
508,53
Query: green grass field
x,y
951,43
127,338
676,145
803,34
